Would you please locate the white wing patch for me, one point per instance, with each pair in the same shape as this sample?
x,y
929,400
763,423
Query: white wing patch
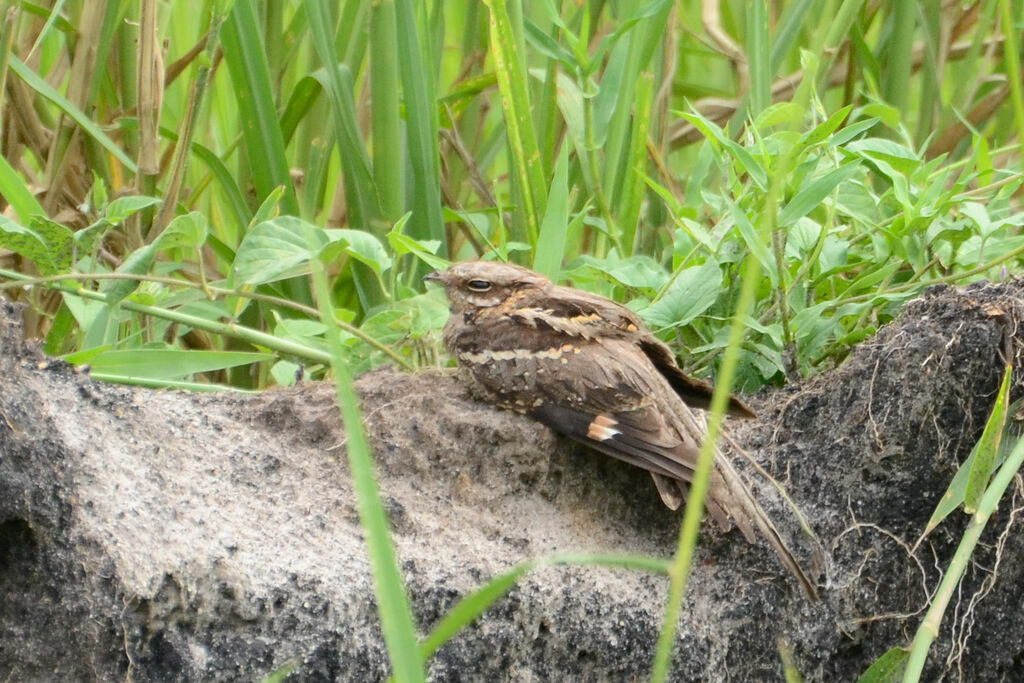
x,y
602,428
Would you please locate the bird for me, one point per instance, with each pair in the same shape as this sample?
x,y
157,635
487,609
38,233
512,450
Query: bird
x,y
590,369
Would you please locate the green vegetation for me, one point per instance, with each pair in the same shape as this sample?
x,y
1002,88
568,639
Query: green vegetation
x,y
765,183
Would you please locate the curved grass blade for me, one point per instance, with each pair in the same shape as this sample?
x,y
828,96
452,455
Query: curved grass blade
x,y
427,221
522,139
34,81
392,600
261,130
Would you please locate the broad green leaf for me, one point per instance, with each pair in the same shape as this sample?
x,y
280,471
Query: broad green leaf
x,y
84,311
275,249
62,335
956,492
888,668
752,239
979,214
188,230
691,292
47,243
427,313
87,238
424,250
123,207
813,330
285,372
810,197
802,238
17,193
548,254
301,330
269,207
888,153
851,131
170,363
779,113
138,263
767,360
59,241
278,249
362,246
636,272
988,446
824,130
720,139
873,276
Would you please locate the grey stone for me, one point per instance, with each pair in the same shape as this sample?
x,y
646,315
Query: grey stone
x,y
167,536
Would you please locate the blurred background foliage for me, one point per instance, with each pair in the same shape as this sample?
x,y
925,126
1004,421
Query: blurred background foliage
x,y
171,170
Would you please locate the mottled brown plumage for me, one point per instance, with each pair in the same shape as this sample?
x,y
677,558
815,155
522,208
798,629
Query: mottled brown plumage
x,y
590,369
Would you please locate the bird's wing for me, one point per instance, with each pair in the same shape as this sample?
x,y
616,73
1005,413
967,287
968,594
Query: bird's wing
x,y
694,392
580,314
609,397
637,437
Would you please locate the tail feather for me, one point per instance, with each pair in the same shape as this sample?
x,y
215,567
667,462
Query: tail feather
x,y
746,512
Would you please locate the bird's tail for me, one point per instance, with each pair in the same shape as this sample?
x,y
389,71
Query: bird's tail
x,y
729,492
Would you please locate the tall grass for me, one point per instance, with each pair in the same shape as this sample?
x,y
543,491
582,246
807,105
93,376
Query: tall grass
x,y
790,173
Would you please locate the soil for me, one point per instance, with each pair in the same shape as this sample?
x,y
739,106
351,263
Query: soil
x,y
163,535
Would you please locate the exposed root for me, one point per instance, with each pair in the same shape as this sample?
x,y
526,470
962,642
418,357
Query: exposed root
x,y
963,624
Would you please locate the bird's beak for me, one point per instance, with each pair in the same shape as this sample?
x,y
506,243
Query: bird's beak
x,y
437,276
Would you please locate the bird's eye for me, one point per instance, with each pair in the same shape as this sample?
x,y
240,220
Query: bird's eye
x,y
479,285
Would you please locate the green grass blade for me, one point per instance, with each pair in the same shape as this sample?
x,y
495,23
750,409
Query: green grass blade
x,y
810,197
527,161
168,364
427,221
634,180
34,81
392,601
550,250
679,572
929,628
14,190
386,122
152,383
359,189
988,446
788,30
1013,74
972,477
899,50
758,57
261,130
645,37
472,606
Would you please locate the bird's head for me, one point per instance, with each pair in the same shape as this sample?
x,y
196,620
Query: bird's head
x,y
474,285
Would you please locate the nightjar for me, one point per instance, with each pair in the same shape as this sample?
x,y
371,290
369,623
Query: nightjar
x,y
590,369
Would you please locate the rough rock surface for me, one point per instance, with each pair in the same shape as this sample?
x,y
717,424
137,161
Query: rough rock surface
x,y
160,536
